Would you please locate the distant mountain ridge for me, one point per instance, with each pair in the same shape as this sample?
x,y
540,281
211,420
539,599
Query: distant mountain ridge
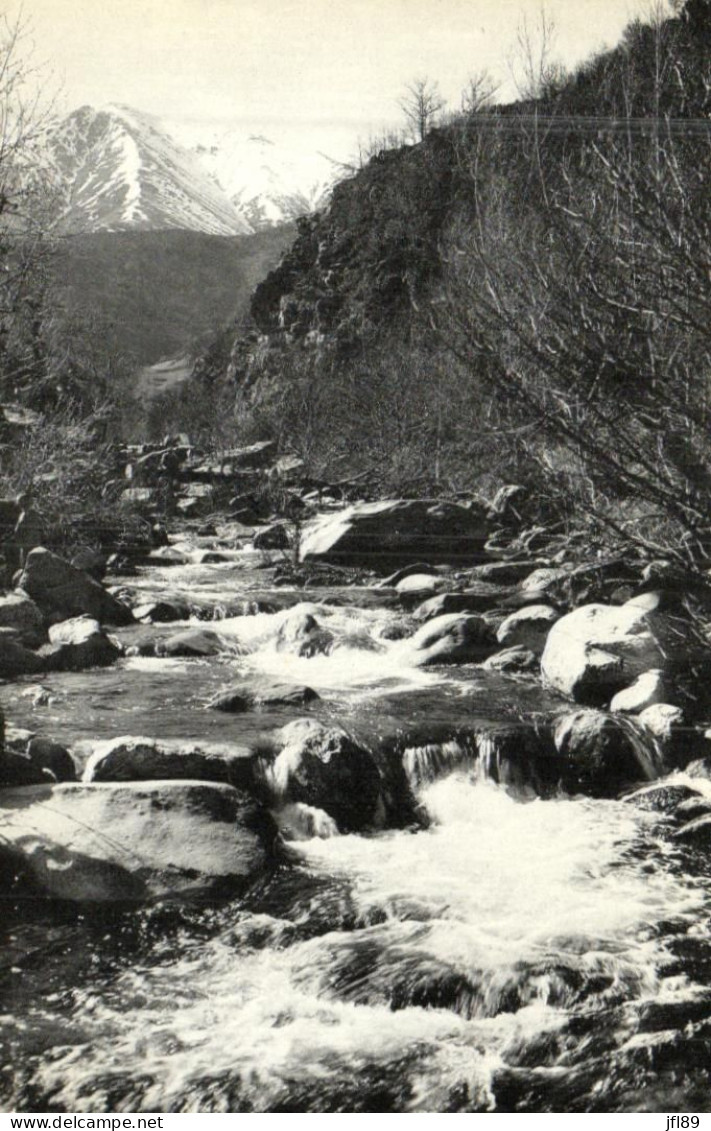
x,y
120,169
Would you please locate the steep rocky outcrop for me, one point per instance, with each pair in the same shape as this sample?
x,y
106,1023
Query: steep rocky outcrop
x,y
359,263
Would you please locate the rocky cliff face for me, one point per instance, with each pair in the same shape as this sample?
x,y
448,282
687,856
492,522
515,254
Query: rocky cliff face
x,y
364,259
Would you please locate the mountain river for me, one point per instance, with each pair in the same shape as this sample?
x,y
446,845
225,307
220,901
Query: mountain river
x,y
508,953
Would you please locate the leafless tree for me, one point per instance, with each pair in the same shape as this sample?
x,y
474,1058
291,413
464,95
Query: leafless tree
x,y
532,64
421,104
478,94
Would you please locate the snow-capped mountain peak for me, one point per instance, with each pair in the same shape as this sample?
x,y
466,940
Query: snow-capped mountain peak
x,y
119,168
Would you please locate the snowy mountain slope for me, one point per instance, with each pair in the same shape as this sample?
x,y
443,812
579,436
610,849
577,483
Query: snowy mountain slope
x,y
270,177
118,169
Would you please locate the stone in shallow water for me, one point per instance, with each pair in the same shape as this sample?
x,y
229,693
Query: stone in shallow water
x,y
662,797
18,611
455,638
277,536
419,585
133,841
79,643
302,634
48,755
15,659
161,612
528,627
601,754
697,832
17,770
477,598
193,642
512,660
648,689
245,697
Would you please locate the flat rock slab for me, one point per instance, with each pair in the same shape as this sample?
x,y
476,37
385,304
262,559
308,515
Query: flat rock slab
x,y
135,758
134,841
396,532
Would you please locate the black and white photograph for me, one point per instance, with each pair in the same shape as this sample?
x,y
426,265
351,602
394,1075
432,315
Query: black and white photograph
x,y
355,559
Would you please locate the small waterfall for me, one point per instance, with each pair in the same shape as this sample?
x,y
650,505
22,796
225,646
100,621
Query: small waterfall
x,y
507,756
493,955
646,748
512,756
424,764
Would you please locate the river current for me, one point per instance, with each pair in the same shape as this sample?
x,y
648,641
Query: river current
x,y
508,954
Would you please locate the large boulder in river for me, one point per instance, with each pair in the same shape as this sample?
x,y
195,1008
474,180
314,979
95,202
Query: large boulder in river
x,y
15,659
601,754
454,638
133,841
323,767
395,532
595,651
62,591
527,627
77,644
19,611
134,758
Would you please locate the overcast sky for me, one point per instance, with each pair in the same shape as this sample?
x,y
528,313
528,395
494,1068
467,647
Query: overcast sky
x,y
325,61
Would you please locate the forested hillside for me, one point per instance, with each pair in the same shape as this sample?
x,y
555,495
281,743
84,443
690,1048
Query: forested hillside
x,y
521,297
163,292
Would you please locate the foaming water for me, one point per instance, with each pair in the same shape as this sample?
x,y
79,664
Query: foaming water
x,y
400,972
359,657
